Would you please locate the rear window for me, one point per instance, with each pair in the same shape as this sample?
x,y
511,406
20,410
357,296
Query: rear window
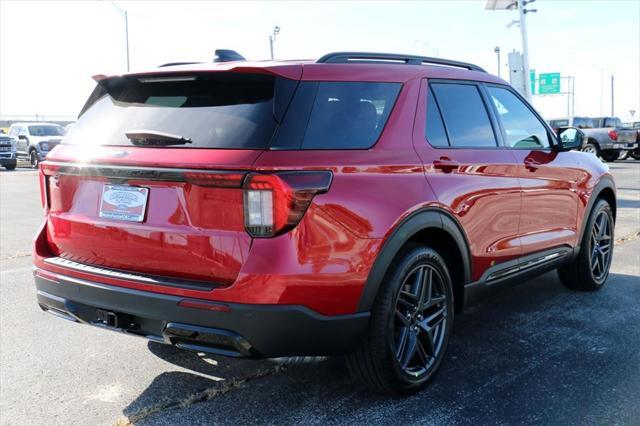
x,y
215,110
465,116
582,122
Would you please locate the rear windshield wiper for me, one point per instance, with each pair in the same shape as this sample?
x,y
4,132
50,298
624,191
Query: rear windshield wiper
x,y
153,138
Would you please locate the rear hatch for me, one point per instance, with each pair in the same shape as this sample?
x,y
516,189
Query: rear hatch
x,y
149,179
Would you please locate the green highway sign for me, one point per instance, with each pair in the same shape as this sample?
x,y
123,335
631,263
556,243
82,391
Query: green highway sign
x,y
549,83
532,75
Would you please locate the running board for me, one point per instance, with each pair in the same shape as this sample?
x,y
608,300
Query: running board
x,y
515,271
524,266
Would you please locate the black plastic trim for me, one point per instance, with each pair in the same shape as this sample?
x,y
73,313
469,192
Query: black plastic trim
x,y
247,330
606,182
515,271
414,223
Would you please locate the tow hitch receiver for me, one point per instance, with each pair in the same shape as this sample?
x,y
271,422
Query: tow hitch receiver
x,y
114,320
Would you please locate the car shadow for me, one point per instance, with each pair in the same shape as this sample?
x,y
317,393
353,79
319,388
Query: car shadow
x,y
533,353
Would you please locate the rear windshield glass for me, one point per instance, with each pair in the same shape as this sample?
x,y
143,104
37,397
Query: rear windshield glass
x,y
216,110
46,130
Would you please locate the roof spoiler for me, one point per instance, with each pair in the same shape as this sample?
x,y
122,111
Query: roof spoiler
x,y
226,55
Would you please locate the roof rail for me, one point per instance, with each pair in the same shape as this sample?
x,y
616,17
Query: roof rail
x,y
171,64
366,57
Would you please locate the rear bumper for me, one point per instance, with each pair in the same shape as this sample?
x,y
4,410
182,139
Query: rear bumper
x,y
628,146
239,330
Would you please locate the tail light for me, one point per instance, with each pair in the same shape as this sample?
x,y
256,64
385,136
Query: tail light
x,y
274,203
613,134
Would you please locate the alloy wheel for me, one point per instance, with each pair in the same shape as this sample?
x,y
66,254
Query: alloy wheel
x,y
421,311
600,246
589,149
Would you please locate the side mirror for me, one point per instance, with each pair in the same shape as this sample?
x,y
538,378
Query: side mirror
x,y
23,137
570,138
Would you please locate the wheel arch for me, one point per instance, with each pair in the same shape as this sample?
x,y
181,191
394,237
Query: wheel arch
x,y
441,231
605,189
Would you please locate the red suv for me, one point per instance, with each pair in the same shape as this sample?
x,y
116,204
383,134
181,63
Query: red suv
x,y
345,206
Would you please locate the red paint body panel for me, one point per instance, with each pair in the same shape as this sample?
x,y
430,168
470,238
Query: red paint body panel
x,y
504,207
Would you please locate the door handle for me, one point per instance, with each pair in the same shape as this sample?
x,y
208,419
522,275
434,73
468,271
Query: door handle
x,y
445,164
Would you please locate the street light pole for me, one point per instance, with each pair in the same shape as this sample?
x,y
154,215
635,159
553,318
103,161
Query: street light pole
x,y
272,39
612,114
522,12
126,33
124,13
497,50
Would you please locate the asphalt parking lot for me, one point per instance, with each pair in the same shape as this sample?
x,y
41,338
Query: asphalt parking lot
x,y
536,353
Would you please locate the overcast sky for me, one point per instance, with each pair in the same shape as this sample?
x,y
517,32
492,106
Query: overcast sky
x,y
49,50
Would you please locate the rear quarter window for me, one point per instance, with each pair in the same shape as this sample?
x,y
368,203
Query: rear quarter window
x,y
337,115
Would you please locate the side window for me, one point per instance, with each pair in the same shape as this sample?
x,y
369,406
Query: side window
x,y
521,127
435,132
23,130
465,116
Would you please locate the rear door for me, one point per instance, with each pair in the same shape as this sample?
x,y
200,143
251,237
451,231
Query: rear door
x,y
149,179
471,174
549,178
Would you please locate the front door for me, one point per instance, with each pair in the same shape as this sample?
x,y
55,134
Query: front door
x,y
548,178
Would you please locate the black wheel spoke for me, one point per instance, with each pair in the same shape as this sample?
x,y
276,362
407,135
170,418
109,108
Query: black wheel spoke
x,y
403,318
426,338
402,341
409,350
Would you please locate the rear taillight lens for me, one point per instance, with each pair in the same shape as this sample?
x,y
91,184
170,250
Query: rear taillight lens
x,y
613,135
274,203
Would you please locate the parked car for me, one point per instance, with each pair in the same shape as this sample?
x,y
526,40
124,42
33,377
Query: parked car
x,y
608,138
347,206
35,140
8,152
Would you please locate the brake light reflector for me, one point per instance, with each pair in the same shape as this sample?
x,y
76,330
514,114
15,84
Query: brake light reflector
x,y
274,203
613,134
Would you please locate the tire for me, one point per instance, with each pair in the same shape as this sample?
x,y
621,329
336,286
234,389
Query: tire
x,y
408,335
591,148
636,154
610,155
10,166
590,269
33,159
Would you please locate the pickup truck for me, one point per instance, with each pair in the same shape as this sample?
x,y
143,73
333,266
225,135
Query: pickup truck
x,y
608,138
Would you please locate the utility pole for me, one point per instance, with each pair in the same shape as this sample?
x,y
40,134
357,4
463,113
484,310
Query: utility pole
x,y
124,13
522,12
497,50
126,33
612,114
272,39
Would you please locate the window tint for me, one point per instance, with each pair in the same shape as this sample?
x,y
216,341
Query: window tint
x,y
214,110
465,115
435,133
522,129
349,115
